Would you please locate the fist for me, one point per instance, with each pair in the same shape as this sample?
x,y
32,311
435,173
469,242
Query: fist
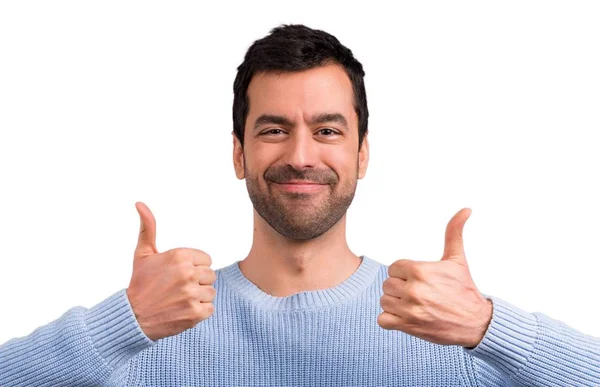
x,y
172,291
437,301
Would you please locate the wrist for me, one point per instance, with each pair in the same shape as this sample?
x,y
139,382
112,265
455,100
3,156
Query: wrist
x,y
487,312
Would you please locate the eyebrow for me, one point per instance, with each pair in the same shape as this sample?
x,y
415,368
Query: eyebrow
x,y
321,118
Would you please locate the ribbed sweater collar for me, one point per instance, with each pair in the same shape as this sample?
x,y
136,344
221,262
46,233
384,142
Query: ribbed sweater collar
x,y
364,276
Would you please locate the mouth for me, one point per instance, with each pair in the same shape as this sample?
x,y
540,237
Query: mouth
x,y
300,186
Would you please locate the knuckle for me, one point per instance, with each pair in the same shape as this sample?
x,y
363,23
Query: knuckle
x,y
206,309
196,312
386,302
191,295
418,293
384,321
382,303
395,266
204,257
180,255
207,275
210,308
387,286
188,273
391,285
212,292
413,291
178,250
419,271
206,294
381,321
212,276
184,274
205,270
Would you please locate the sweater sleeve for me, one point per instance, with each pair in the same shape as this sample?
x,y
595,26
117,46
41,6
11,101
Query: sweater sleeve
x,y
532,349
81,348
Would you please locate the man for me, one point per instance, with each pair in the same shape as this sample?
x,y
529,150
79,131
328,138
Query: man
x,y
301,309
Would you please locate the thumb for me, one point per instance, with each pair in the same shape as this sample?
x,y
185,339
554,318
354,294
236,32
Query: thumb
x,y
147,238
454,247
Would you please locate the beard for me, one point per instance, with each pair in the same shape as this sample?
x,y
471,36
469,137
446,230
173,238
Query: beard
x,y
300,215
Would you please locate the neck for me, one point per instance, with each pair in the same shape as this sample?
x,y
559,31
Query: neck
x,y
280,266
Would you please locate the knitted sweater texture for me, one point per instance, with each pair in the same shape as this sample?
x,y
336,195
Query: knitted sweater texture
x,y
325,337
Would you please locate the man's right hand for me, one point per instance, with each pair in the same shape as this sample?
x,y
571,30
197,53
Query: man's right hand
x,y
171,291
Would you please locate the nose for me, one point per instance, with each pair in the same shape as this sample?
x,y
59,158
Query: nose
x,y
302,149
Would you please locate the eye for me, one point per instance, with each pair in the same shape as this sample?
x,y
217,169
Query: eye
x,y
328,132
271,131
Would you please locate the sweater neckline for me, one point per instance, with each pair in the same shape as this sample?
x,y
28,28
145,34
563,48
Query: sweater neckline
x,y
358,281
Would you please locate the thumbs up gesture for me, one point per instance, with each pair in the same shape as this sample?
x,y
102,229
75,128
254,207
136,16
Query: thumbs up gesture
x,y
172,291
437,301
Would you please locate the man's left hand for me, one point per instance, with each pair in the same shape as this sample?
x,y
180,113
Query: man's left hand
x,y
437,301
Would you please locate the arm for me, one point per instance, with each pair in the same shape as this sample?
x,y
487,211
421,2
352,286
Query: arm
x,y
81,348
439,302
169,292
535,350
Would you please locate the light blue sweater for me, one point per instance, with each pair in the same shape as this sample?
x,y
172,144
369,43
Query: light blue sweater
x,y
318,338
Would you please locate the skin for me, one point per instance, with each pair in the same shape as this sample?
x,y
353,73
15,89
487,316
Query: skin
x,y
299,239
437,301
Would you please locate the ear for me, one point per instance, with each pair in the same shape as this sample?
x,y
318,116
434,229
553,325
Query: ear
x,y
363,157
238,157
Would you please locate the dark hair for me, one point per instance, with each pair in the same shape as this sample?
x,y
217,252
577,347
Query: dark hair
x,y
295,47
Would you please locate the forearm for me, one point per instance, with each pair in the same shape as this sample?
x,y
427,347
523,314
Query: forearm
x,y
82,347
535,350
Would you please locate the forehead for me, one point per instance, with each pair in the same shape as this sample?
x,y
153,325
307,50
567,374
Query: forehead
x,y
302,94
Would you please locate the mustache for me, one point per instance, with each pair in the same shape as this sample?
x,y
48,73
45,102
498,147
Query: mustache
x,y
284,173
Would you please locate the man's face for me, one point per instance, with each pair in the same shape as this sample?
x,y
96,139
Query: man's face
x,y
300,157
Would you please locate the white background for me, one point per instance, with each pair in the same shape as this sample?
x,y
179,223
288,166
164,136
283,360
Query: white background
x,y
491,106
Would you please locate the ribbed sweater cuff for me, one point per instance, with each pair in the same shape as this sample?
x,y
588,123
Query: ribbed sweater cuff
x,y
114,330
510,338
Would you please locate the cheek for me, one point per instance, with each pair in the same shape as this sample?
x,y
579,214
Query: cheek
x,y
345,165
252,164
255,173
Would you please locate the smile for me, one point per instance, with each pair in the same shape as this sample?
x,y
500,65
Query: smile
x,y
300,187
